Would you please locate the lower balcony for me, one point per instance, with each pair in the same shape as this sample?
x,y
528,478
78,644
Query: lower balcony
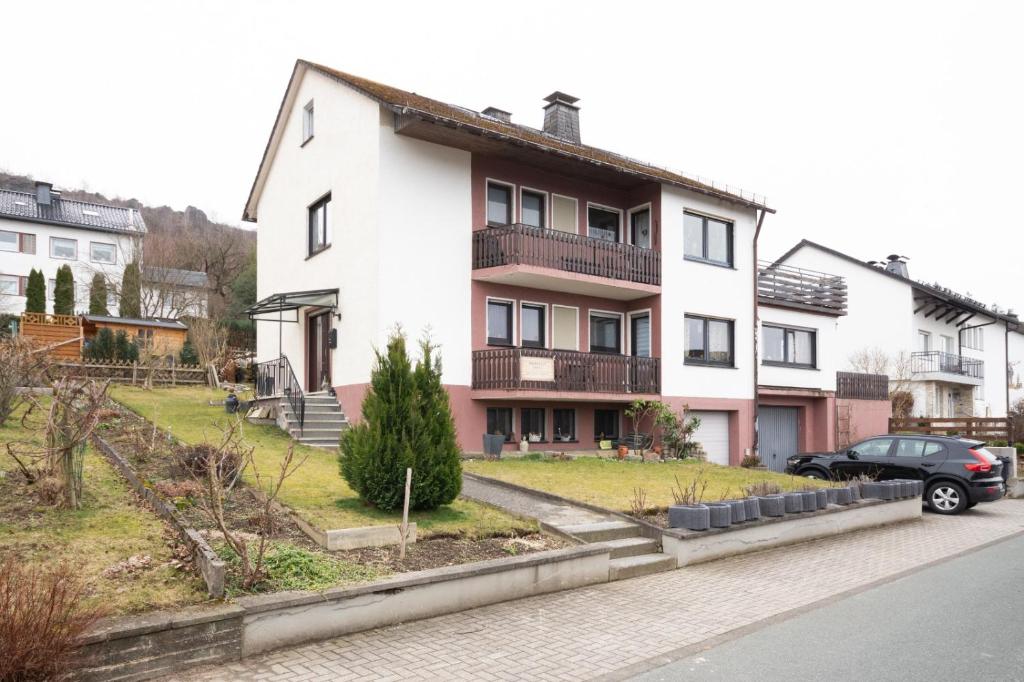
x,y
563,374
949,367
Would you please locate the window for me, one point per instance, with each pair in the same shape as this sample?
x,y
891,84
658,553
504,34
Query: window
x,y
565,327
8,241
707,239
102,253
534,209
910,448
606,424
948,345
320,225
499,204
605,333
785,346
145,338
533,332
973,337
563,214
603,223
28,243
307,122
10,285
499,323
876,447
532,422
51,286
640,228
640,335
924,341
499,422
63,248
708,341
565,425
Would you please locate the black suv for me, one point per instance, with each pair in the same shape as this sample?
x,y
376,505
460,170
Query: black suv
x,y
957,473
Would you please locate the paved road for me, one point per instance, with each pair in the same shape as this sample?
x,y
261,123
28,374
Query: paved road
x,y
630,626
959,620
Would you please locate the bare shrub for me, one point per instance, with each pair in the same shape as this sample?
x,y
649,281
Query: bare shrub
x,y
693,491
209,340
197,459
763,489
41,620
638,505
21,364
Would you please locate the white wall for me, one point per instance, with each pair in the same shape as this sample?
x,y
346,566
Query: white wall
x,y
826,328
1016,367
702,289
82,268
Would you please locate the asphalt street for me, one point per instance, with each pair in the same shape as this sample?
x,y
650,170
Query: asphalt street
x,y
959,620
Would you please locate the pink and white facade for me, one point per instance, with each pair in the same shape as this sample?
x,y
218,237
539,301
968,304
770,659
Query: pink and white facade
x,y
560,282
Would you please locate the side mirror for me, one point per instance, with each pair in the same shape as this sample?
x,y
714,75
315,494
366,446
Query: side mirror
x,y
852,454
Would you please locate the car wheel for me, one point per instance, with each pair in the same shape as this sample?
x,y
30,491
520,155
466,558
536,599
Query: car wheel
x,y
814,473
946,498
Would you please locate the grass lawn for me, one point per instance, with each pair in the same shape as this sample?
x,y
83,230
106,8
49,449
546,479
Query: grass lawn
x,y
610,483
317,492
108,529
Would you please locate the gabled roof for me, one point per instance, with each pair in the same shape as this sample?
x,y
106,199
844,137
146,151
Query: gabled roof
x,y
411,104
70,213
938,293
174,276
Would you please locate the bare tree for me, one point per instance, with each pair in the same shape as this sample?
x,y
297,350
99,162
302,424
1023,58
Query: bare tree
x,y
898,368
209,339
21,366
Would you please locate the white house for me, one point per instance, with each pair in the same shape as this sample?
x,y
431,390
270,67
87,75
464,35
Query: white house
x,y
561,281
173,293
43,231
948,350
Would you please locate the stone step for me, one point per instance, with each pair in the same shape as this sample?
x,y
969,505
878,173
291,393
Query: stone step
x,y
319,442
318,430
602,531
635,566
624,547
316,409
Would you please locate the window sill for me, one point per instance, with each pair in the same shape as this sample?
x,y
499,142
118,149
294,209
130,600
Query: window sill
x,y
317,252
63,257
556,442
305,142
705,261
788,365
500,344
715,365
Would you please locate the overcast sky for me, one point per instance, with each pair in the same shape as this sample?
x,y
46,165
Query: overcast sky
x,y
872,128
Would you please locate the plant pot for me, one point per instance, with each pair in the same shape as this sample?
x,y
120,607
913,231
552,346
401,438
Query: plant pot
x,y
822,494
772,505
871,490
752,508
623,451
918,488
855,492
833,495
738,510
810,500
721,515
691,517
493,444
844,496
657,450
794,502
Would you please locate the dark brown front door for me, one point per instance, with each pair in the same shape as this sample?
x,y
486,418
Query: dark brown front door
x,y
318,352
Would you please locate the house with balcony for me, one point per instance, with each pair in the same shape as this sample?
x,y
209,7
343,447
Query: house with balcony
x,y
42,230
561,281
949,351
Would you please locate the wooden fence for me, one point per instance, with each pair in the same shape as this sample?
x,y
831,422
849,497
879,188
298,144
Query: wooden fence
x,y
856,386
982,428
171,374
60,334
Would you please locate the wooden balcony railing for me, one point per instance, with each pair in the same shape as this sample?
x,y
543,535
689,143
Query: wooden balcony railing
x,y
564,370
800,288
526,245
950,363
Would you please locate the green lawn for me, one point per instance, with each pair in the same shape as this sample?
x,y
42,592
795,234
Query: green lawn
x,y
316,491
108,529
611,483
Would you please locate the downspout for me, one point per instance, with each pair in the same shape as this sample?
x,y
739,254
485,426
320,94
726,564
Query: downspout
x,y
757,233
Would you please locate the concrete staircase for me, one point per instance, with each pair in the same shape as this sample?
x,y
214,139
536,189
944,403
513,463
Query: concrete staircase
x,y
324,421
632,555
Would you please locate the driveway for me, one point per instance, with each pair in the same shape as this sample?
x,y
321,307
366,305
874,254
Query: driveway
x,y
632,626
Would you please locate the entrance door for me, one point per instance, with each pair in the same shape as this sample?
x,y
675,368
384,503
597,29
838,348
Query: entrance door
x,y
777,435
318,352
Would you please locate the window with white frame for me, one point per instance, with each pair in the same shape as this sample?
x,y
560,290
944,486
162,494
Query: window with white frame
x,y
10,285
66,249
499,323
605,333
101,252
603,223
924,341
532,327
307,122
499,204
973,338
534,210
8,241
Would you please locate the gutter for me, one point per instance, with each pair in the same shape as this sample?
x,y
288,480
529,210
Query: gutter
x,y
757,233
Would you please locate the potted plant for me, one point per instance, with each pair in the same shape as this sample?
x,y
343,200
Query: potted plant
x,y
534,437
622,452
689,516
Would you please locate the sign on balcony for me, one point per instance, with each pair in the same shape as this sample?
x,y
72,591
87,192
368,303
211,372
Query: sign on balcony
x,y
536,369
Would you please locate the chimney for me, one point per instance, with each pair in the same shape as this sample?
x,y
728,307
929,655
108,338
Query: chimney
x,y
562,117
500,114
44,193
897,265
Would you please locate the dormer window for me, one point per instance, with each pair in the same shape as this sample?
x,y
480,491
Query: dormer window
x,y
307,122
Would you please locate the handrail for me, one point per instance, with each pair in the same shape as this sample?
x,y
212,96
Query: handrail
x,y
950,363
276,378
502,369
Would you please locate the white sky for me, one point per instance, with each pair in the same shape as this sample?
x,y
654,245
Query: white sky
x,y
873,128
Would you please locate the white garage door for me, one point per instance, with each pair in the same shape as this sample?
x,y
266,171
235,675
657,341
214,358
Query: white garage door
x,y
713,435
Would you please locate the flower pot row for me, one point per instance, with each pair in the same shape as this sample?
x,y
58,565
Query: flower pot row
x,y
732,512
898,489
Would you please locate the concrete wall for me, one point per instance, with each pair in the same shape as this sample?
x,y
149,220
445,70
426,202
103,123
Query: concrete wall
x,y
1016,347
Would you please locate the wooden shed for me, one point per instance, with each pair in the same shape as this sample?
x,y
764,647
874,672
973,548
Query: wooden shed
x,y
164,337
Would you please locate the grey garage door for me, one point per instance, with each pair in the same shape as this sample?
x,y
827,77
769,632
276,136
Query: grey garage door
x,y
777,435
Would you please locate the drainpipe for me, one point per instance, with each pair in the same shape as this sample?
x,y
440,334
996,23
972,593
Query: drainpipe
x,y
757,233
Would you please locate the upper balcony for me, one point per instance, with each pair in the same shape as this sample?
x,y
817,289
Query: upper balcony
x,y
790,287
934,365
540,258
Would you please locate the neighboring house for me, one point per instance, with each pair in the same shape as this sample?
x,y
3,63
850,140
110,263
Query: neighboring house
x,y
43,231
173,293
948,350
561,281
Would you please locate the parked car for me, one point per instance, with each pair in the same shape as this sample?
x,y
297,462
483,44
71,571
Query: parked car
x,y
957,473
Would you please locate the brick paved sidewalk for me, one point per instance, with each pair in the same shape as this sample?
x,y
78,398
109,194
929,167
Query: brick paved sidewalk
x,y
594,631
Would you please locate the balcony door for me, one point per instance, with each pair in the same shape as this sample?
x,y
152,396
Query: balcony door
x,y
318,351
640,228
640,335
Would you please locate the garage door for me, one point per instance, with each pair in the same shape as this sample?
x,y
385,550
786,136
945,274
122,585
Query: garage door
x,y
776,435
713,435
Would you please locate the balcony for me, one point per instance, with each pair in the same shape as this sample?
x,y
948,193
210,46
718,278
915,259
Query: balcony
x,y
939,366
789,287
504,372
563,261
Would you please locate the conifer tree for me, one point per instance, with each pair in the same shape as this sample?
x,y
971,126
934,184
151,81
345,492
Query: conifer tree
x,y
437,476
64,292
131,293
98,296
35,292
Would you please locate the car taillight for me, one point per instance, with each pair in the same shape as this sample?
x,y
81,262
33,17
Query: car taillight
x,y
981,465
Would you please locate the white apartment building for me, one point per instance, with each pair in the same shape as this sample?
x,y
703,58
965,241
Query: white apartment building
x,y
43,231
